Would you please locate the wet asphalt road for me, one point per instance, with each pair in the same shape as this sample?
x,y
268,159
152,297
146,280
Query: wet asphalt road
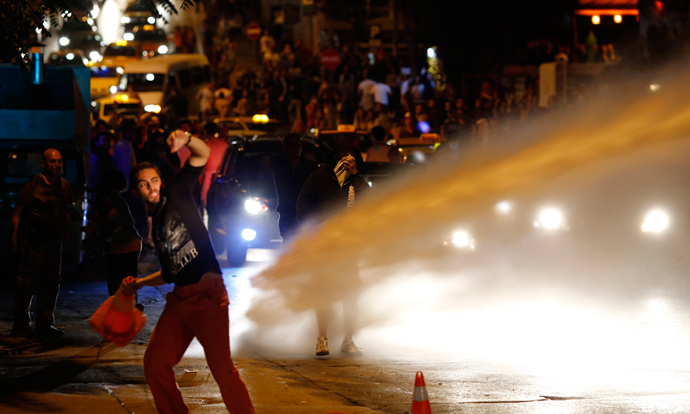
x,y
83,374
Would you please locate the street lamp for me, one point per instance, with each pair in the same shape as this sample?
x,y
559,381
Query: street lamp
x,y
596,19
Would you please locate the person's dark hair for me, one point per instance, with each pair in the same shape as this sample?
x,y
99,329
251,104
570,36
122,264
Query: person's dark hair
x,y
134,173
291,137
211,128
100,122
379,133
184,121
113,180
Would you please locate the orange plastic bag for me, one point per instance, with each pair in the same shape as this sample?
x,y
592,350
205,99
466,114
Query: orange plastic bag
x,y
117,320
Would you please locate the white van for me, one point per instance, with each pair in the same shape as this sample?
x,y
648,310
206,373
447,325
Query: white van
x,y
150,79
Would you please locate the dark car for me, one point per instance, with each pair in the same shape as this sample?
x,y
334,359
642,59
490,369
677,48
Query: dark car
x,y
242,199
153,39
67,57
18,164
87,41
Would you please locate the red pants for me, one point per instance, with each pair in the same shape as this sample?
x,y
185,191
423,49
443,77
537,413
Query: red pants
x,y
201,311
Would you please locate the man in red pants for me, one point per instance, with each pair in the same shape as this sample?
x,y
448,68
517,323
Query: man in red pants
x,y
198,305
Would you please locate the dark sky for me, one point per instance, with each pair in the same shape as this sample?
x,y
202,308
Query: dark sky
x,y
480,36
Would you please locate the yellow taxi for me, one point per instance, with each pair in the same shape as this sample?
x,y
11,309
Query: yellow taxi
x,y
418,150
125,104
359,138
257,125
121,53
104,79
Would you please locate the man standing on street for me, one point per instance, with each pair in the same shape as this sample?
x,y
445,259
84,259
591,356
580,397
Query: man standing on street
x,y
198,305
331,189
39,226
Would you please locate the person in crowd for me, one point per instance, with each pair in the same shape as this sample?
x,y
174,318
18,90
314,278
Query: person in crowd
x,y
244,107
434,115
123,152
330,189
223,101
382,94
176,105
197,307
218,143
111,230
266,43
312,109
101,160
366,92
289,174
40,224
379,151
205,98
409,129
360,119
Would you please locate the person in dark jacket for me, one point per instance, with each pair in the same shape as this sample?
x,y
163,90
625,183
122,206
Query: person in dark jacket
x,y
289,175
111,223
40,224
329,190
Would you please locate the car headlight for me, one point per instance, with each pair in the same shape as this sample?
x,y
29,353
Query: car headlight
x,y
248,234
656,221
151,20
162,49
152,108
125,20
113,89
504,207
550,219
64,41
463,240
255,206
95,56
128,36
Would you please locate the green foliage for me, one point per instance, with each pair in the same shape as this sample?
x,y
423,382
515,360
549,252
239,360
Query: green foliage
x,y
20,19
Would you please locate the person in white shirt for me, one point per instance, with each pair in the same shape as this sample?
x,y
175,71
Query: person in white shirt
x,y
366,91
381,94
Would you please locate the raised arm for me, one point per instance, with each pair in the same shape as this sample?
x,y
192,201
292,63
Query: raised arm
x,y
200,151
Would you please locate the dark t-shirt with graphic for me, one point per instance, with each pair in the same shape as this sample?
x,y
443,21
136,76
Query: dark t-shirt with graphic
x,y
185,249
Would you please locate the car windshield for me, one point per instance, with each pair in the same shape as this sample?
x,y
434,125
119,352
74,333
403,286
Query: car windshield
x,y
145,82
258,166
66,59
103,72
266,127
121,108
232,126
150,35
115,50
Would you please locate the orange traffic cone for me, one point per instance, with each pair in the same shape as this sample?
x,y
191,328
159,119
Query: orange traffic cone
x,y
420,402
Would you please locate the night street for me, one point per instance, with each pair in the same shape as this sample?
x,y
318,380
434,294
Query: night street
x,y
316,202
83,374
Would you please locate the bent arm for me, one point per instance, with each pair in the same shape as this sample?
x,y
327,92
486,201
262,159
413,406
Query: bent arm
x,y
200,152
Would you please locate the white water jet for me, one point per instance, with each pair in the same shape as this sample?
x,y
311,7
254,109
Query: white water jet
x,y
591,293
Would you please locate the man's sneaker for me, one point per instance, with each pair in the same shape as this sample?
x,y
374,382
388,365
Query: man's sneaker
x,y
349,348
322,346
22,332
49,332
